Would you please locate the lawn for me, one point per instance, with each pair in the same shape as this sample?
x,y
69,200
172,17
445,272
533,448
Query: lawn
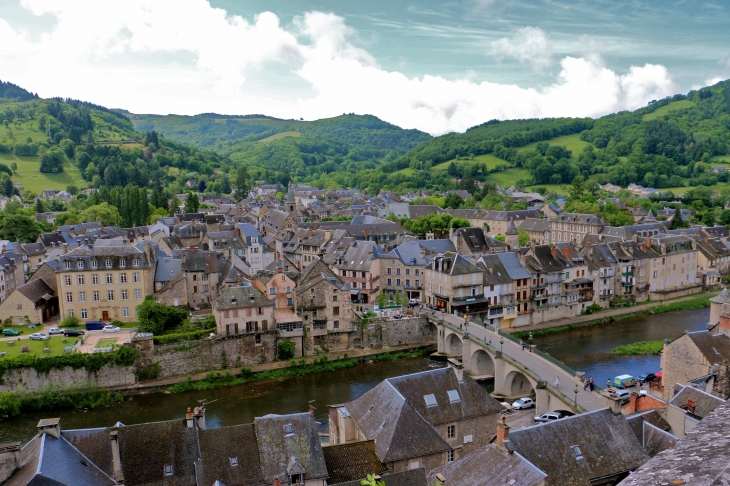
x,y
558,188
279,135
20,133
32,179
571,142
405,172
490,160
676,105
106,343
508,177
36,347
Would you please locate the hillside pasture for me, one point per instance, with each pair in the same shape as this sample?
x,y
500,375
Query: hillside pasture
x,y
33,180
488,159
675,105
280,135
570,142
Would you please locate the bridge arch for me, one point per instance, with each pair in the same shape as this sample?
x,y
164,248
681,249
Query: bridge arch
x,y
454,345
481,364
516,384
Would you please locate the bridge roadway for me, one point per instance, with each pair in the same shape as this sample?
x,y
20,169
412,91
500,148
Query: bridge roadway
x,y
547,371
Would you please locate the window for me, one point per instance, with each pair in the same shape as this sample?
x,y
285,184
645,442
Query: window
x,y
397,271
417,283
430,400
125,311
95,279
122,278
289,301
80,279
69,297
389,270
125,294
70,312
408,271
168,470
389,281
84,314
135,262
109,278
68,265
577,452
122,263
109,263
451,431
96,296
257,338
454,396
136,277
80,265
336,311
67,280
397,282
334,298
110,295
137,294
415,464
288,429
94,264
451,456
19,306
272,291
82,296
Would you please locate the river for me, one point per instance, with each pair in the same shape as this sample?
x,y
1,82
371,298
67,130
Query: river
x,y
587,349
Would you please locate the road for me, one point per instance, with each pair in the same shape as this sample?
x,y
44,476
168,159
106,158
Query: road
x,y
537,364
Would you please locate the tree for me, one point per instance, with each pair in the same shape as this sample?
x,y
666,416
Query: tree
x,y
453,201
577,188
40,206
725,217
241,183
524,237
174,205
382,299
8,187
202,185
708,219
287,349
14,167
70,321
156,317
52,161
225,184
371,481
20,227
105,213
191,203
677,222
72,189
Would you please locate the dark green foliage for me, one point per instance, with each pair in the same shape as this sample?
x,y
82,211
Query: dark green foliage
x,y
149,372
8,187
287,348
156,317
18,226
69,321
91,362
180,337
125,356
225,184
15,92
52,161
192,204
677,222
54,397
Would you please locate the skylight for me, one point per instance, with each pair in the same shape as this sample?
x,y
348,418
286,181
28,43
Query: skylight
x,y
454,396
430,400
577,452
288,429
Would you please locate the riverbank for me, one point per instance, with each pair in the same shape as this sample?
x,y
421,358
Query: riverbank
x,y
690,302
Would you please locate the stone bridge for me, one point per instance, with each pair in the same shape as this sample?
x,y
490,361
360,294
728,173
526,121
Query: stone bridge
x,y
516,372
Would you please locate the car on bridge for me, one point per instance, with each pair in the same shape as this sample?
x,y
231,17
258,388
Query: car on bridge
x,y
523,403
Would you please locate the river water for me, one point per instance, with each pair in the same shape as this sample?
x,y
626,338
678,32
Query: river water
x,y
587,349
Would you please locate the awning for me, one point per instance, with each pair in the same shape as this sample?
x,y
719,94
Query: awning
x,y
470,301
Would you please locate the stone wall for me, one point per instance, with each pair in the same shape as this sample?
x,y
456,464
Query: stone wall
x,y
31,380
204,355
384,333
674,293
681,362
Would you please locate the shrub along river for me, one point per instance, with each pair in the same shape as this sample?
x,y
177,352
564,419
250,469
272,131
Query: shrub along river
x,y
587,349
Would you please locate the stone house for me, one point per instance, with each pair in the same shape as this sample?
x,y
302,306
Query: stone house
x,y
474,241
36,254
105,281
401,270
11,273
602,264
688,407
454,284
537,229
566,227
498,221
423,420
200,270
713,261
520,292
360,269
243,309
502,309
33,302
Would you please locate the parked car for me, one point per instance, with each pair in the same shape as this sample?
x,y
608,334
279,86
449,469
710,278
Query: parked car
x,y
55,330
38,336
94,325
621,393
647,377
413,302
111,328
72,332
32,326
548,417
523,403
624,381
11,332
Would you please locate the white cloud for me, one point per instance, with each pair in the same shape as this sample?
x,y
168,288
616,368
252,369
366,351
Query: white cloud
x,y
186,57
529,45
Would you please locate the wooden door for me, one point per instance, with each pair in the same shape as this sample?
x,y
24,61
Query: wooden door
x,y
104,315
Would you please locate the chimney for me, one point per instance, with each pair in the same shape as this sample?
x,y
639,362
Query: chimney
x,y
311,410
9,460
199,417
566,252
50,426
632,402
365,232
723,326
458,368
491,268
502,430
277,482
116,457
189,418
278,269
647,242
554,252
63,245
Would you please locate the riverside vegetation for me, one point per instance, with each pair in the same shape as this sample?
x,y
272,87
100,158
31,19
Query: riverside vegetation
x,y
640,348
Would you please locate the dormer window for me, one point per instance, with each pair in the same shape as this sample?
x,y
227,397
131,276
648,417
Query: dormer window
x,y
288,430
122,263
135,262
80,264
68,265
94,264
109,263
233,461
577,452
169,469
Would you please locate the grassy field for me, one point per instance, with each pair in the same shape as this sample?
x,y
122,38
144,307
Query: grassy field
x,y
490,160
32,180
279,135
676,105
508,177
571,142
406,172
56,345
559,188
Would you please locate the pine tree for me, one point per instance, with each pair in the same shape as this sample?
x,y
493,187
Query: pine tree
x,y
191,203
225,184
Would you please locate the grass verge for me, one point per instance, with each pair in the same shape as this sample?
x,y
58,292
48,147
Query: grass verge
x,y
643,347
53,396
659,309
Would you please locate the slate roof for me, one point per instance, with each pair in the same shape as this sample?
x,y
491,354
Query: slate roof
x,y
353,461
33,249
704,402
280,452
219,446
412,477
714,347
458,265
489,466
607,444
241,298
94,444
511,263
359,256
30,458
477,241
35,289
494,272
702,457
168,269
579,218
535,225
517,215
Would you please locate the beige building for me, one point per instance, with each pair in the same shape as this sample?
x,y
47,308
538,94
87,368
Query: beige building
x,y
242,310
106,281
574,227
453,283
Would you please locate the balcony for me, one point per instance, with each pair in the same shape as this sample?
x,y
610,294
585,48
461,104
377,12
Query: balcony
x,y
627,284
539,297
541,307
540,285
495,312
628,274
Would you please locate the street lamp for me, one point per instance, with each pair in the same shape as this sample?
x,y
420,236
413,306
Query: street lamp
x,y
530,340
576,395
501,342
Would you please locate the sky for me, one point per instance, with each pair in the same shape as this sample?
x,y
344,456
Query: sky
x,y
431,65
